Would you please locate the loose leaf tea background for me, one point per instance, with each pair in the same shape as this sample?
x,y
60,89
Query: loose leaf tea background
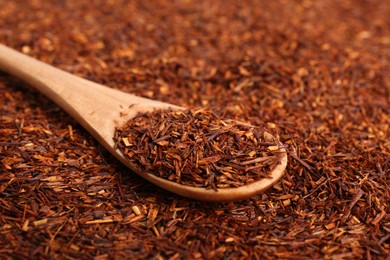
x,y
316,71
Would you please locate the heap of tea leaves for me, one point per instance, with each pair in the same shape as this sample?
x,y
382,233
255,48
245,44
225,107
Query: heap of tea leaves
x,y
198,148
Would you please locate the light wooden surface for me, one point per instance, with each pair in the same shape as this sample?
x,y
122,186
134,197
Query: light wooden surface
x,y
97,108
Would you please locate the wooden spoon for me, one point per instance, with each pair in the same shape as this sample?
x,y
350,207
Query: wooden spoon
x,y
99,109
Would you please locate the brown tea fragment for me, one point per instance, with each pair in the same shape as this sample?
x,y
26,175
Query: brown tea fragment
x,y
198,148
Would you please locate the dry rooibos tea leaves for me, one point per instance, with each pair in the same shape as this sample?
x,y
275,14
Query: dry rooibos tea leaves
x,y
198,148
318,69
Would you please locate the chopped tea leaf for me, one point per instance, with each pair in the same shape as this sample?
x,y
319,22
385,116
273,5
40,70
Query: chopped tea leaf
x,y
198,148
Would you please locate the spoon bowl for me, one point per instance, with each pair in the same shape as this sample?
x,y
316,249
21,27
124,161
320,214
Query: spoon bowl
x,y
100,109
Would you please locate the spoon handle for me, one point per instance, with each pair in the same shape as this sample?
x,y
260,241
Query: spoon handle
x,y
99,109
95,107
70,92
53,82
91,104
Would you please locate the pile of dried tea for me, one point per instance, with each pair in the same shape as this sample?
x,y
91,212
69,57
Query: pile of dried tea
x,y
198,148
